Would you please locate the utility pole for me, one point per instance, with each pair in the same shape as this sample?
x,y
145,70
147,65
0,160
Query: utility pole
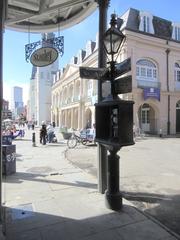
x,y
102,152
167,77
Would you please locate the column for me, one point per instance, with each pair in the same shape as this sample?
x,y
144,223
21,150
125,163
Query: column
x,y
2,17
72,118
102,152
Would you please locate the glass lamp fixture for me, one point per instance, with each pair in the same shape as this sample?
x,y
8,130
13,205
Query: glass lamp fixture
x,y
113,37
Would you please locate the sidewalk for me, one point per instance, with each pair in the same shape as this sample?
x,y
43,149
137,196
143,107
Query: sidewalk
x,y
50,199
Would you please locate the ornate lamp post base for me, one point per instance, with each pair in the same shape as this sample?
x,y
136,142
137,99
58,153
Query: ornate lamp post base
x,y
113,200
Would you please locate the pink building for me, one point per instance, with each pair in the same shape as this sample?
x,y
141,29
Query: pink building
x,y
153,44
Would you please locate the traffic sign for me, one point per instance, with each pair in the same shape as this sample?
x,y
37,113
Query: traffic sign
x,y
93,73
123,85
122,67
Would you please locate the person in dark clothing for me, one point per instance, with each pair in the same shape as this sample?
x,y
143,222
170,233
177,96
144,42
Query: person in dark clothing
x,y
43,134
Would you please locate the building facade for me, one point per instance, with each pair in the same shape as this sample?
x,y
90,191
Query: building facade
x,y
153,44
73,98
6,113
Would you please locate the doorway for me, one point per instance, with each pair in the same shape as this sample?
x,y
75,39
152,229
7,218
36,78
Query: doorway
x,y
147,120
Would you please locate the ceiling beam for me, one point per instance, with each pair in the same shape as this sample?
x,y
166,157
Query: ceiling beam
x,y
68,12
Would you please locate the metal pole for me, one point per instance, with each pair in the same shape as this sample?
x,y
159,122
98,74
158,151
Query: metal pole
x,y
167,76
113,197
2,16
33,139
102,152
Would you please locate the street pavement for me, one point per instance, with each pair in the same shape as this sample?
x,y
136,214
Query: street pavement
x,y
52,197
149,176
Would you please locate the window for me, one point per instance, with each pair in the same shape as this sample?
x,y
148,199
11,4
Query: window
x,y
154,73
146,69
149,72
176,31
89,87
137,71
145,116
177,72
143,71
146,24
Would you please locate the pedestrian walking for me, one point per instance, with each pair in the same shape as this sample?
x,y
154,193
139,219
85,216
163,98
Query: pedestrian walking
x,y
43,133
54,124
50,133
32,126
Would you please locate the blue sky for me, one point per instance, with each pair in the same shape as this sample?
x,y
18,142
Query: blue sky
x,y
17,72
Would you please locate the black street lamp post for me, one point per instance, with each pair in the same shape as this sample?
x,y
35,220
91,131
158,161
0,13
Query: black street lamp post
x,y
116,130
112,42
114,116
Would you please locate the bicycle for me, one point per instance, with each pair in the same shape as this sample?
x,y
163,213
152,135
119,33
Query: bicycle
x,y
75,139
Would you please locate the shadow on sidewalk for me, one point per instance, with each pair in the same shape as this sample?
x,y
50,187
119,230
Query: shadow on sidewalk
x,y
165,208
20,177
77,223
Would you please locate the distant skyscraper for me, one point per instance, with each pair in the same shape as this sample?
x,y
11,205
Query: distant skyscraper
x,y
16,101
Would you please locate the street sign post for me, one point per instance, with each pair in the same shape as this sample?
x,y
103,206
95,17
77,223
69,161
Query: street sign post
x,y
123,85
93,73
103,74
122,67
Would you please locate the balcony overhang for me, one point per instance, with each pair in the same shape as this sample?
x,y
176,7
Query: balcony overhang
x,y
46,15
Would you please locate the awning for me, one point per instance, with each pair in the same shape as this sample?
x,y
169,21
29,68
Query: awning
x,y
46,15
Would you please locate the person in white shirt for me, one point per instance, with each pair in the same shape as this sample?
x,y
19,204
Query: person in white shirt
x,y
50,133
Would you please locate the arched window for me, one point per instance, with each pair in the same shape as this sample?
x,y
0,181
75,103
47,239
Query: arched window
x,y
177,72
146,69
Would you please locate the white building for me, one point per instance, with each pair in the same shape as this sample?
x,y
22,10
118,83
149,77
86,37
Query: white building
x,y
39,108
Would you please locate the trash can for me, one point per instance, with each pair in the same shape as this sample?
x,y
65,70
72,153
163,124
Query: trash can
x,y
7,139
8,159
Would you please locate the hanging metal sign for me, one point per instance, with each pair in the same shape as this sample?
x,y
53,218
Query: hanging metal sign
x,y
47,54
44,56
